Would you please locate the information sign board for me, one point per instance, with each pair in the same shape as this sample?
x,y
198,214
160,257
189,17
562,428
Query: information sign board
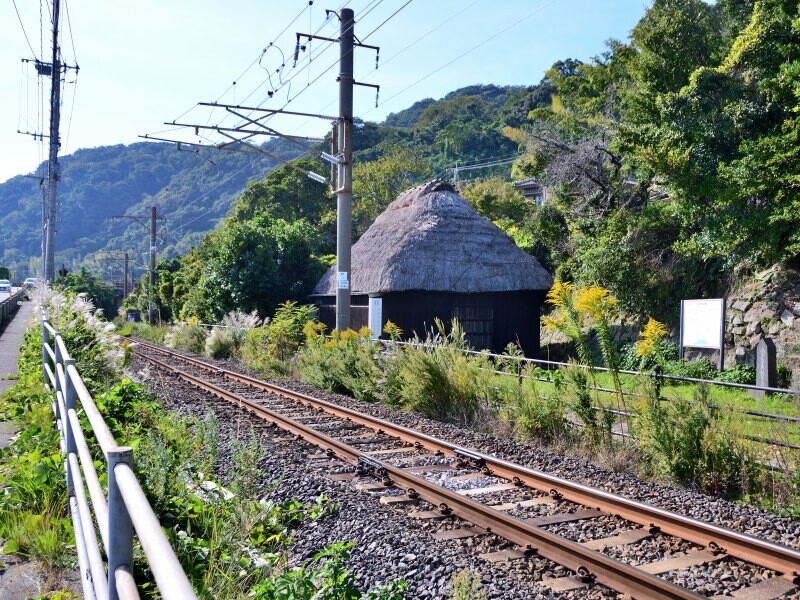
x,y
703,325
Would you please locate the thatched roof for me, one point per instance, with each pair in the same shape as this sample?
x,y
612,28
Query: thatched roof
x,y
431,239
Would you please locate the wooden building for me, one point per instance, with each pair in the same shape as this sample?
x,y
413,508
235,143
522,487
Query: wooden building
x,y
532,190
430,254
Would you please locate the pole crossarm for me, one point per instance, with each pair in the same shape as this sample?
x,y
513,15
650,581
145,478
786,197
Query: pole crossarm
x,y
306,172
270,131
295,139
267,110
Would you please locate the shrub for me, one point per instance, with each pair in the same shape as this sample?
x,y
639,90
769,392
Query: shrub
x,y
699,369
189,337
739,374
537,416
227,340
348,363
467,586
220,343
693,443
267,348
436,378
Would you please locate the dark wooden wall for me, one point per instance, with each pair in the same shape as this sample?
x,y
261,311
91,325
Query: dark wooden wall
x,y
491,320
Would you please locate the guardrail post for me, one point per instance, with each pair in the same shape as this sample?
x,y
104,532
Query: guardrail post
x,y
657,381
69,403
59,360
120,529
45,341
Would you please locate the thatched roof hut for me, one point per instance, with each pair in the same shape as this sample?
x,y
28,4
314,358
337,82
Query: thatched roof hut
x,y
431,250
431,239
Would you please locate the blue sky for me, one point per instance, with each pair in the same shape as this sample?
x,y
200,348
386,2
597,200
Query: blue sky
x,y
146,62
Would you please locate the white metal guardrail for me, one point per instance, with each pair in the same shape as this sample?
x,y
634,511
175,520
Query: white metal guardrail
x,y
120,513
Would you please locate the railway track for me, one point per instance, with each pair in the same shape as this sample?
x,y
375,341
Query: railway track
x,y
489,495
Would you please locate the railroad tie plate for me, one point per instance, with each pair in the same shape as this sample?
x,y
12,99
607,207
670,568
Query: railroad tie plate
x,y
371,487
401,499
523,503
488,490
426,514
564,584
341,476
438,468
390,451
468,476
503,555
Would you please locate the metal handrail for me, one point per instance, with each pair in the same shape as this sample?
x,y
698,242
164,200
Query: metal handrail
x,y
123,511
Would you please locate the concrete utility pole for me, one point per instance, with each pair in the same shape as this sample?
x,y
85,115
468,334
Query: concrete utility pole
x,y
152,286
125,279
151,222
53,175
344,193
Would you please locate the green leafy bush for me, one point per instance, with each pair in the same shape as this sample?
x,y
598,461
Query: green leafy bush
x,y
739,374
694,443
324,576
436,377
535,415
348,363
267,348
189,337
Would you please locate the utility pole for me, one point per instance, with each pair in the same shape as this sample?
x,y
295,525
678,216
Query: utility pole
x,y
344,193
341,158
151,222
125,279
152,286
53,175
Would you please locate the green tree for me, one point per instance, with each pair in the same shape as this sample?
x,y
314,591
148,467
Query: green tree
x,y
379,182
103,295
253,265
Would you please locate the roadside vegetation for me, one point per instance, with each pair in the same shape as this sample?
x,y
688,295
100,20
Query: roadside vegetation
x,y
231,542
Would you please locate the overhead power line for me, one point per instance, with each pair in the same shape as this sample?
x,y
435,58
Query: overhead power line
x,y
467,52
25,33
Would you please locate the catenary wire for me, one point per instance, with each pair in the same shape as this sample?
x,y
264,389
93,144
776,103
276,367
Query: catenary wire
x,y
463,54
25,33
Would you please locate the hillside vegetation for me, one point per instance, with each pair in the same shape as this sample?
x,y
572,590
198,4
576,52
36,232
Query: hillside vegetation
x,y
192,191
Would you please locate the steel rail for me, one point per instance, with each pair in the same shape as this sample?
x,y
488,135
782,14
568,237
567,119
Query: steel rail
x,y
595,566
783,560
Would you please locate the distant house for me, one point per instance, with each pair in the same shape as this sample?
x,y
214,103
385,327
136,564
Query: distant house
x,y
532,190
429,255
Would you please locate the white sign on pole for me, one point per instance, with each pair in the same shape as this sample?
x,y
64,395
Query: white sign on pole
x,y
375,317
342,281
702,323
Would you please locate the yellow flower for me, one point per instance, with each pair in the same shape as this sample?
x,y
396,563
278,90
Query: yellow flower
x,y
560,294
652,334
597,302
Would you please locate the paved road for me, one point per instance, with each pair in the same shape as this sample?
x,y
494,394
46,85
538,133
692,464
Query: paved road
x,y
10,343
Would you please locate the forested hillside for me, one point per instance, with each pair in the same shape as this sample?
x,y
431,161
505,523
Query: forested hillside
x,y
192,191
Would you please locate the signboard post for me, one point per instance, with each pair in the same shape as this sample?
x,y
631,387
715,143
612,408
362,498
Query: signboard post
x,y
375,316
703,326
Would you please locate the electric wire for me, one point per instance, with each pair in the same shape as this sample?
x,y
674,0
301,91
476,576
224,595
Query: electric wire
x,y
253,63
389,18
25,33
71,37
467,52
399,52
